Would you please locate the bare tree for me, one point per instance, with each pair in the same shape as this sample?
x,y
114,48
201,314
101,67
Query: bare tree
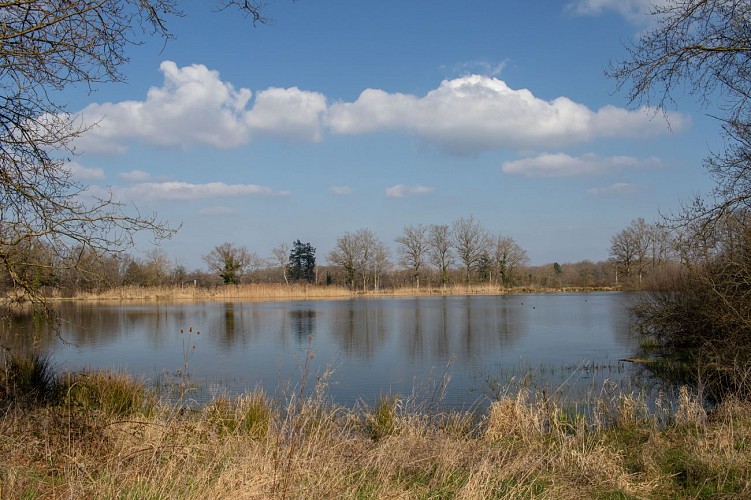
x,y
379,261
412,248
439,250
470,240
629,249
703,47
280,255
362,256
508,257
231,262
158,265
347,255
46,47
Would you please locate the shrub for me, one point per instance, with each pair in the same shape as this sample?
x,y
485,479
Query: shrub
x,y
28,380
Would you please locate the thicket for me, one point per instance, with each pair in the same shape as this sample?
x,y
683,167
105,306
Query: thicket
x,y
701,316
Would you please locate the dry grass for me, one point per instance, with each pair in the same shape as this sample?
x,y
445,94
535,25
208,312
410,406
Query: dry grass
x,y
254,446
229,292
275,291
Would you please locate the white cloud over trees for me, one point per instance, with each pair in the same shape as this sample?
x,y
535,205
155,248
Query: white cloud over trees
x,y
465,115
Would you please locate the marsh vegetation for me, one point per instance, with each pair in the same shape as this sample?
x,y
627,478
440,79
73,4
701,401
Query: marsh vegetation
x,y
105,435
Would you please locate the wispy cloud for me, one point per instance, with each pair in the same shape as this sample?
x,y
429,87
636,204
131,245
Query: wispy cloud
x,y
185,191
563,165
482,67
341,190
134,176
402,191
220,210
633,10
616,189
81,173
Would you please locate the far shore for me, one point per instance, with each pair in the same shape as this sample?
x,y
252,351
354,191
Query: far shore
x,y
275,292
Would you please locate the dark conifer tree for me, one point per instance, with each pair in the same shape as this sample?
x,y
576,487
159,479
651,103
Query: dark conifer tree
x,y
302,262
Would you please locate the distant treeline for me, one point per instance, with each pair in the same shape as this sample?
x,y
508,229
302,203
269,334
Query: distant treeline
x,y
422,256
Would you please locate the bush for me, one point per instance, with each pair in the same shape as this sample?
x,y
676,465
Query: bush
x,y
701,316
28,380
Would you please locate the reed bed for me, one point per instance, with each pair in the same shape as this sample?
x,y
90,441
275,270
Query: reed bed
x,y
228,292
106,436
278,291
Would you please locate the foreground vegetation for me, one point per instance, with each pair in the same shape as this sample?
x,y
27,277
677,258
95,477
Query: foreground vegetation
x,y
104,435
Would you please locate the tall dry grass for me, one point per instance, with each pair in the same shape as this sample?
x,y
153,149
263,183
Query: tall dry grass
x,y
228,292
300,445
277,291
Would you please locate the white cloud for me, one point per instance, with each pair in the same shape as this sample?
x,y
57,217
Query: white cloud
x,y
341,190
134,176
616,189
402,191
465,115
185,191
483,67
288,113
563,165
633,10
195,106
217,211
81,173
477,113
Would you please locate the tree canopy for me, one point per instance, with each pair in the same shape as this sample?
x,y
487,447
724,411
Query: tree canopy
x,y
702,47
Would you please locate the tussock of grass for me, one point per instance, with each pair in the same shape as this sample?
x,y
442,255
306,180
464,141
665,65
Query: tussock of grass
x,y
27,380
109,437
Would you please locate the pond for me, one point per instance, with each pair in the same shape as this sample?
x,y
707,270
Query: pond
x,y
456,349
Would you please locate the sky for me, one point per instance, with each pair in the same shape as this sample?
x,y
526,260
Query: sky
x,y
341,115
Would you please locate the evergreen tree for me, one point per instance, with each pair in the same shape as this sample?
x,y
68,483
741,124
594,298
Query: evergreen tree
x,y
302,262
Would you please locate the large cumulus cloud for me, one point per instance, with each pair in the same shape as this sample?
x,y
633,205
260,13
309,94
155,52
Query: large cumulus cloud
x,y
465,115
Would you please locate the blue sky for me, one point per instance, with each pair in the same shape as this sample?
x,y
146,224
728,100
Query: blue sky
x,y
343,115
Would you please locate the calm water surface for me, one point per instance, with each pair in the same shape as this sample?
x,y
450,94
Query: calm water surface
x,y
374,345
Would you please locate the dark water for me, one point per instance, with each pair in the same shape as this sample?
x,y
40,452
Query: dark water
x,y
376,346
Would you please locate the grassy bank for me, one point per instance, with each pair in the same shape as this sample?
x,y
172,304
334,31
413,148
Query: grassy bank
x,y
103,435
273,291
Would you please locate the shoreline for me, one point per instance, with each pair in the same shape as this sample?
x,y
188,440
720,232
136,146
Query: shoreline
x,y
104,435
280,292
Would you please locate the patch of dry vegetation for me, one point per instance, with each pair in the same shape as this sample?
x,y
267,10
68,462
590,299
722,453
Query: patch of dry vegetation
x,y
102,435
274,291
269,291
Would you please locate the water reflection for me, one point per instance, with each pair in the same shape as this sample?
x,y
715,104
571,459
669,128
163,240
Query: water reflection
x,y
380,345
303,324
